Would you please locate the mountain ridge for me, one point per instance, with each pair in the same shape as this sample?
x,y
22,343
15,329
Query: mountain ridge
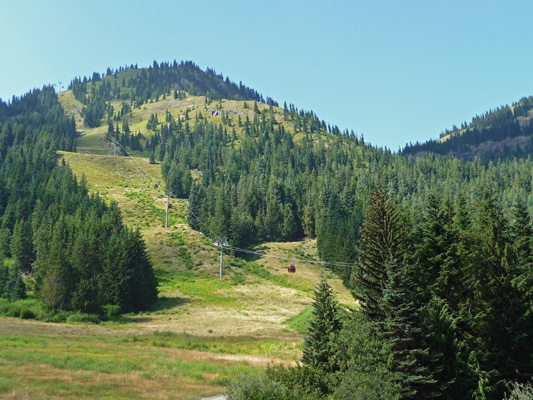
x,y
488,136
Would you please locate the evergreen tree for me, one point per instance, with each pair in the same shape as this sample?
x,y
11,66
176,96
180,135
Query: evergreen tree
x,y
86,266
494,311
17,286
383,237
22,246
193,211
449,352
401,326
4,277
58,284
431,251
126,127
319,347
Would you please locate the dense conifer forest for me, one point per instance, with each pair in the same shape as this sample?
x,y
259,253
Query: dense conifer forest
x,y
441,247
504,132
72,248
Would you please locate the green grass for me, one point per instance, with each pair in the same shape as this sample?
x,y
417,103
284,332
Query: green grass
x,y
111,367
250,267
300,322
227,345
200,288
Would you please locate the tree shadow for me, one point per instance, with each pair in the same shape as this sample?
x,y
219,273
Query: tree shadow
x,y
165,303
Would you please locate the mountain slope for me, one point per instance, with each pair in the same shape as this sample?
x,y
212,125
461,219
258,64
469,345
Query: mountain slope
x,y
202,332
187,263
503,132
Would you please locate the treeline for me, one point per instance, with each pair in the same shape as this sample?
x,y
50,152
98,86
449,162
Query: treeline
x,y
262,185
72,249
36,119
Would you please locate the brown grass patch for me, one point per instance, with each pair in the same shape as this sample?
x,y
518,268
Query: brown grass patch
x,y
227,359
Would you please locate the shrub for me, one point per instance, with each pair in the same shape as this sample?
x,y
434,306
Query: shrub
x,y
82,317
379,384
262,388
26,309
112,310
27,313
59,317
45,315
303,378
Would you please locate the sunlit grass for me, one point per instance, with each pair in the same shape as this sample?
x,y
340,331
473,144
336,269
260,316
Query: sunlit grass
x,y
300,322
119,367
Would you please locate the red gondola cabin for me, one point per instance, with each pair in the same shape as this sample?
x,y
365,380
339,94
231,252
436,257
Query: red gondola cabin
x,y
169,206
291,269
156,186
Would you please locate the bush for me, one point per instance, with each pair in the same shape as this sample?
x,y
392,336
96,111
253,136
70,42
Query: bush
x,y
26,309
61,316
13,309
262,388
112,310
303,378
45,315
82,317
380,384
3,305
27,313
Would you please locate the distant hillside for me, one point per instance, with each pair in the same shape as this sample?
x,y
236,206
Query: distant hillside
x,y
505,132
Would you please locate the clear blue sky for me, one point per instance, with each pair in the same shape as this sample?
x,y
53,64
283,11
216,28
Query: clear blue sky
x,y
396,71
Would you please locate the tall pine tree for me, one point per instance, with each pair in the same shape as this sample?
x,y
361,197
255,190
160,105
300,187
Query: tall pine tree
x,y
383,237
325,325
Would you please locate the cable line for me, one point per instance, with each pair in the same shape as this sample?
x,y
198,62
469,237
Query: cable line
x,y
336,264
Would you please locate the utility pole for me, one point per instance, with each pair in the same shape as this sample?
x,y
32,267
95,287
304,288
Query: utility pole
x,y
221,242
168,194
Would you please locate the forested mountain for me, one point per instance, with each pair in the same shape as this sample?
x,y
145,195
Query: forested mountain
x,y
506,132
438,249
